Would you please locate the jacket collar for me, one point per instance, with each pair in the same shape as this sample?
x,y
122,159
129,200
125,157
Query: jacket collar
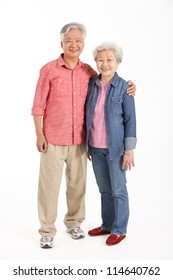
x,y
114,82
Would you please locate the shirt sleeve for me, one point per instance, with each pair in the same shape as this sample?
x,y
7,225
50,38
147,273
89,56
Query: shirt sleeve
x,y
41,93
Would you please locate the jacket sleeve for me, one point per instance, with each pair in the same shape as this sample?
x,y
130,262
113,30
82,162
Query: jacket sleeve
x,y
129,116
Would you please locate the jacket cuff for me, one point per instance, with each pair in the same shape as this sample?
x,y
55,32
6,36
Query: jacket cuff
x,y
130,143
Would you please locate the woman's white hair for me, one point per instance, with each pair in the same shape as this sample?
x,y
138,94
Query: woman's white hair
x,y
109,46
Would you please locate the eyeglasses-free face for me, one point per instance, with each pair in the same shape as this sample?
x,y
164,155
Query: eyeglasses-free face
x,y
107,64
73,43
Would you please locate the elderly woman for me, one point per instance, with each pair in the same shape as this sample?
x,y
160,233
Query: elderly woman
x,y
111,138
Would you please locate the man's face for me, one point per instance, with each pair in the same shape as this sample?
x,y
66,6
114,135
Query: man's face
x,y
73,43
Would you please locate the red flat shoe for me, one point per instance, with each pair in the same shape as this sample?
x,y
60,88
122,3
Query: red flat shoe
x,y
114,239
97,231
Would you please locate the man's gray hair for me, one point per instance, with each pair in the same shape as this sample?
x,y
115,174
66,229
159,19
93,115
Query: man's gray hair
x,y
107,46
71,25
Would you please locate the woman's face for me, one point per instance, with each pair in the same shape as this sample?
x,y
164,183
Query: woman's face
x,y
106,64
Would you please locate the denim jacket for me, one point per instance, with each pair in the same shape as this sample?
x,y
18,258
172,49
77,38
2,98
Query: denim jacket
x,y
120,116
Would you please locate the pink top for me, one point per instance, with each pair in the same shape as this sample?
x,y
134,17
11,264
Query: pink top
x,y
98,138
60,98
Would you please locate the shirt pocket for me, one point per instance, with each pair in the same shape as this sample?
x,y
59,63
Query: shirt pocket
x,y
60,88
84,86
117,105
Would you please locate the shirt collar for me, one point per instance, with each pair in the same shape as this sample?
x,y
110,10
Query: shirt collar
x,y
60,62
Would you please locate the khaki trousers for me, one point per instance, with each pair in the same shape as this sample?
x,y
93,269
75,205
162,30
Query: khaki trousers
x,y
51,170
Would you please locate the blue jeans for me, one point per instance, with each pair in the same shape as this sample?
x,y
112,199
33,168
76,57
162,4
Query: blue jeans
x,y
111,180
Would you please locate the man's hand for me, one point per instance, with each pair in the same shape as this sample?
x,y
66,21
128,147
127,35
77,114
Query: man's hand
x,y
41,143
132,89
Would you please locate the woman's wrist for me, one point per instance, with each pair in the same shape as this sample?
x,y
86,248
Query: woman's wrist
x,y
129,152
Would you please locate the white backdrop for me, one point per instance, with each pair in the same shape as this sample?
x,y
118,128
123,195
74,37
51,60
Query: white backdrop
x,y
29,38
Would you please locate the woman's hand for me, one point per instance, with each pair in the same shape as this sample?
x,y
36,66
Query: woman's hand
x,y
128,160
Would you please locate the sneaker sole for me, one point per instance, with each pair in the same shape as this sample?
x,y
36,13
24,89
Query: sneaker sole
x,y
78,237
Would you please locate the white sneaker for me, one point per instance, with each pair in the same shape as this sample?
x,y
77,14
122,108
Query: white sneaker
x,y
46,242
76,233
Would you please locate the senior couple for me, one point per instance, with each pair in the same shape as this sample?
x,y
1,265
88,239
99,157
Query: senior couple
x,y
78,112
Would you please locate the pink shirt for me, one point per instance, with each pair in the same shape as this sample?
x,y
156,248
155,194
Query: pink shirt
x,y
98,138
60,98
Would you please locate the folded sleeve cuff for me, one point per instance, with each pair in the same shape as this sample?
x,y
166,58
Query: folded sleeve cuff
x,y
37,111
130,143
